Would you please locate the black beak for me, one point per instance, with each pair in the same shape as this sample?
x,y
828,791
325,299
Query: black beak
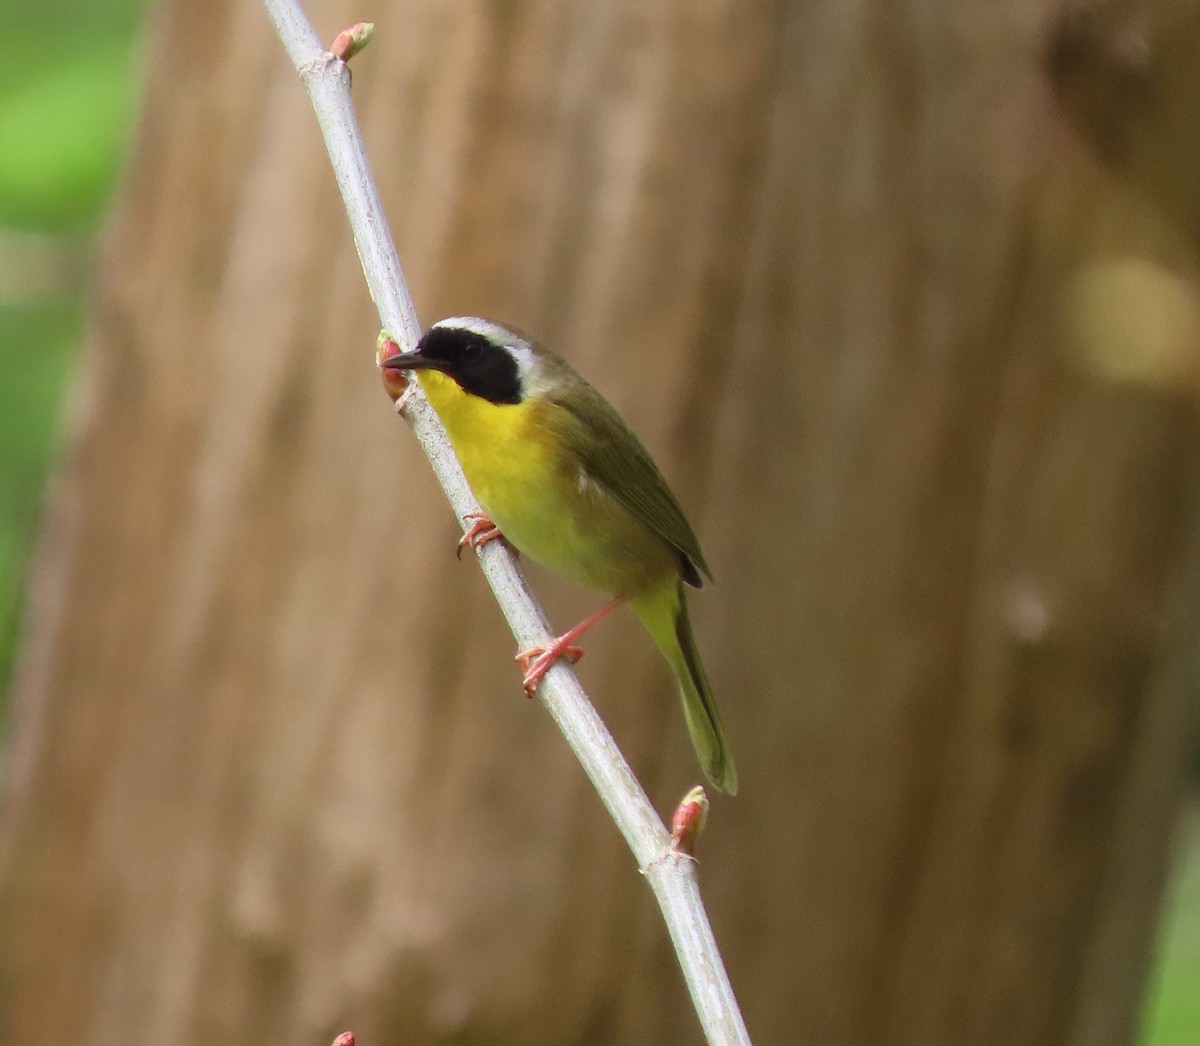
x,y
410,361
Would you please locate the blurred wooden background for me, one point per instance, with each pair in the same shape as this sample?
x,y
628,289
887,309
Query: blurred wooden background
x,y
902,296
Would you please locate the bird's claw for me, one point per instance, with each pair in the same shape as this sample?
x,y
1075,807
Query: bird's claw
x,y
536,661
479,533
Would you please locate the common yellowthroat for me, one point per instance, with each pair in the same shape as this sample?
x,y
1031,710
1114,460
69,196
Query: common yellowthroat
x,y
564,480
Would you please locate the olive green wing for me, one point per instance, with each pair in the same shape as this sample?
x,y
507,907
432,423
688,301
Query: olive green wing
x,y
614,458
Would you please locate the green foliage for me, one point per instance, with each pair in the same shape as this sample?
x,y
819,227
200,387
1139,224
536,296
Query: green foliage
x,y
1173,1010
61,138
67,95
67,89
36,347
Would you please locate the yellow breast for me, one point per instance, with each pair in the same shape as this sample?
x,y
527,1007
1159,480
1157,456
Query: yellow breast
x,y
532,485
496,443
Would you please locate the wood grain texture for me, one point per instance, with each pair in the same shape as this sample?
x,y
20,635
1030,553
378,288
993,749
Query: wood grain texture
x,y
850,272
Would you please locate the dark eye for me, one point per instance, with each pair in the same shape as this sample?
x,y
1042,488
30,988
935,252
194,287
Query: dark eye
x,y
472,351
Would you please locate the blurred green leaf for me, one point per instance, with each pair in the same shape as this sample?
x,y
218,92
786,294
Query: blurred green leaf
x,y
1173,1003
36,347
62,135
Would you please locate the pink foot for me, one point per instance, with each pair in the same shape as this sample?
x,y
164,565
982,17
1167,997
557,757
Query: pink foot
x,y
536,661
479,533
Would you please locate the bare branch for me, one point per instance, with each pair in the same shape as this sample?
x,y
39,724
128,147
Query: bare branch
x,y
671,874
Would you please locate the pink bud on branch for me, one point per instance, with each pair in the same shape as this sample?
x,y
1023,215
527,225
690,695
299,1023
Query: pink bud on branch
x,y
688,821
350,41
394,381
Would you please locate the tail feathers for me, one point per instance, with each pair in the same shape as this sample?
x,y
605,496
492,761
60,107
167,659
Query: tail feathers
x,y
666,619
700,709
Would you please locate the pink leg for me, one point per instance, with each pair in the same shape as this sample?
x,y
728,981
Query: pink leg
x,y
479,533
537,660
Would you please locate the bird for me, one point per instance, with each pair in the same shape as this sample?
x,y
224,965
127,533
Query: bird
x,y
564,480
